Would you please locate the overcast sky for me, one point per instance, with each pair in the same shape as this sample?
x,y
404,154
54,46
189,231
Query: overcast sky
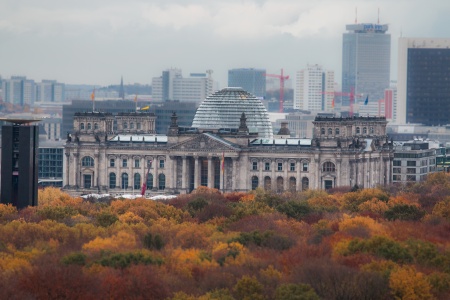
x,y
97,41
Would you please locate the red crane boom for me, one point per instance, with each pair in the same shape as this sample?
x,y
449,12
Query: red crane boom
x,y
282,79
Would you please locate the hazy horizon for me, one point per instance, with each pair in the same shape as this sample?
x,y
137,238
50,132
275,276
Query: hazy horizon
x,y
97,42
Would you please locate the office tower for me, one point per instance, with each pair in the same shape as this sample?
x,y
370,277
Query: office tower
x,y
251,80
171,85
314,89
423,81
390,104
19,174
18,90
366,61
50,91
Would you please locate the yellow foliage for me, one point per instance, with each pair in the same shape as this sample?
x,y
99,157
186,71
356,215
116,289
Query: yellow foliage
x,y
130,218
10,263
370,224
325,202
121,242
248,198
406,283
7,209
341,247
383,267
271,273
442,209
374,205
52,196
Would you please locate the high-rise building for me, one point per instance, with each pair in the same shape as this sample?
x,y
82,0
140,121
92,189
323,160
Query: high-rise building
x,y
251,80
171,85
19,172
423,82
366,58
18,90
314,89
50,91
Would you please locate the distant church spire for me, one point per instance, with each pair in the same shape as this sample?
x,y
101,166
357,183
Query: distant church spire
x,y
121,90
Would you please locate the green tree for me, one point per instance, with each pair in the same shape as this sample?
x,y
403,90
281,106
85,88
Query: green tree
x,y
295,292
249,288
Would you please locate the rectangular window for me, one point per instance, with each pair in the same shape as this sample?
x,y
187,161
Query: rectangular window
x,y
254,165
112,162
267,166
149,163
397,177
305,167
280,166
411,163
292,166
161,163
136,163
124,162
396,170
410,177
397,163
411,171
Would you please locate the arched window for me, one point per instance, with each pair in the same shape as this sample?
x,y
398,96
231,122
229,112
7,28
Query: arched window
x,y
322,130
364,130
124,181
280,184
328,167
137,181
255,182
330,131
89,127
371,130
337,131
112,180
305,183
292,184
267,183
162,181
81,126
87,161
149,182
95,126
358,130
125,125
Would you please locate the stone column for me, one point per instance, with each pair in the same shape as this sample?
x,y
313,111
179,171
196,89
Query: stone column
x,y
222,176
339,174
77,169
68,169
299,176
261,176
210,173
234,174
196,171
286,178
183,174
155,173
96,178
273,179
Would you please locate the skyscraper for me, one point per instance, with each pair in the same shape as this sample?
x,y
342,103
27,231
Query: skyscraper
x,y
314,89
251,80
18,90
423,84
366,61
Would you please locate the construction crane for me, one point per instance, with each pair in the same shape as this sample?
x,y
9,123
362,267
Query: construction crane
x,y
350,95
282,79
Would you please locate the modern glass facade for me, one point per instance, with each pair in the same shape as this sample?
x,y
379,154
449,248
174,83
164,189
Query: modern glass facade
x,y
224,108
251,80
428,86
366,58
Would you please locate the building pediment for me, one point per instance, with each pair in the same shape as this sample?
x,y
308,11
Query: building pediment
x,y
205,142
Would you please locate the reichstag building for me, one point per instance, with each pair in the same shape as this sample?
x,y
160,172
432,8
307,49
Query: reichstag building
x,y
230,147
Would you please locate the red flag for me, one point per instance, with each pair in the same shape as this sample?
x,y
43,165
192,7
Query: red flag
x,y
93,95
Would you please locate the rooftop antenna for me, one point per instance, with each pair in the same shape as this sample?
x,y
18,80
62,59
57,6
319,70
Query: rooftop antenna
x,y
378,15
356,15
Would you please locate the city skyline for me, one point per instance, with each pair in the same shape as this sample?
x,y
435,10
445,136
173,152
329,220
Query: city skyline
x,y
97,42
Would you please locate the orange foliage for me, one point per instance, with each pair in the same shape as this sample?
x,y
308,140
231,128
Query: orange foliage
x,y
52,196
123,241
353,224
406,283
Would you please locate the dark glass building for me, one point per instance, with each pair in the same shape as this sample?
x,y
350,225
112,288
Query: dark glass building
x,y
251,80
19,167
428,86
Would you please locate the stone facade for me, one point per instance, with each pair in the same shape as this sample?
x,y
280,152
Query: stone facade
x,y
343,152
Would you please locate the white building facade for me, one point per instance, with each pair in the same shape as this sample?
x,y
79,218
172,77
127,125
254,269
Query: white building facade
x,y
314,89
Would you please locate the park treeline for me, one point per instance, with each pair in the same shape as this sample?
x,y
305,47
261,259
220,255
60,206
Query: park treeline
x,y
390,242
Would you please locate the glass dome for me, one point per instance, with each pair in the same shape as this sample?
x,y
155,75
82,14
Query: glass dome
x,y
224,108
